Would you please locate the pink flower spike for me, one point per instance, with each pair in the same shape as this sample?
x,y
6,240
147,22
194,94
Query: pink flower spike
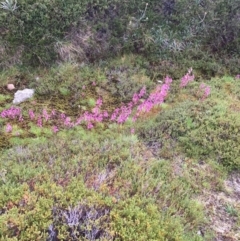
x,y
117,110
89,125
55,129
168,80
142,92
62,116
39,121
96,110
132,131
113,117
20,118
84,87
186,79
134,118
79,120
11,113
99,102
31,114
105,114
135,98
202,86
8,128
207,91
67,122
46,115
94,83
237,76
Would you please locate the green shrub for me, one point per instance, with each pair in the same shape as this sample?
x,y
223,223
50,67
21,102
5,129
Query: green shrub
x,y
125,80
79,182
37,25
90,30
202,129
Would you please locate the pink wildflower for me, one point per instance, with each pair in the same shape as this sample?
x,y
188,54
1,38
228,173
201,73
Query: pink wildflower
x,y
134,118
206,90
135,98
130,105
8,128
105,114
39,121
125,112
55,129
87,116
79,120
186,79
20,117
89,125
45,114
155,98
62,116
113,116
142,92
96,110
31,114
99,102
11,113
168,80
67,122
202,86
146,106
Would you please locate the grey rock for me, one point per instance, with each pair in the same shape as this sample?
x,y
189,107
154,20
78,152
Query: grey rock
x,y
22,95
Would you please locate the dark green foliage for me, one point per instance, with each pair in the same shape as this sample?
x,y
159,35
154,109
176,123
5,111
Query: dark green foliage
x,y
124,81
172,30
38,25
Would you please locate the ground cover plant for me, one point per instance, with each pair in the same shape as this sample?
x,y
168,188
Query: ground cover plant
x,y
133,130
137,167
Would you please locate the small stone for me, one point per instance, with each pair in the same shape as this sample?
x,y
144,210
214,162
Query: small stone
x,y
22,95
10,87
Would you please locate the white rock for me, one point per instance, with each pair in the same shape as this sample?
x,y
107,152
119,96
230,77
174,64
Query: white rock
x,y
22,95
10,87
